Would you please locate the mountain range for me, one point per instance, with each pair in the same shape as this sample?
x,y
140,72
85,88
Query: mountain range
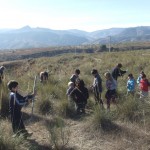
x,y
27,37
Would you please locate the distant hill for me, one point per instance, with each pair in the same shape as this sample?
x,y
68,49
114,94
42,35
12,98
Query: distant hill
x,y
28,37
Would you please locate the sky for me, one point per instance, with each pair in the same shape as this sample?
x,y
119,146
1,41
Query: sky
x,y
87,15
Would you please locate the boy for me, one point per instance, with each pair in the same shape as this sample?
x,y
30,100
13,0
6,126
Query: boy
x,y
97,86
16,103
75,76
118,72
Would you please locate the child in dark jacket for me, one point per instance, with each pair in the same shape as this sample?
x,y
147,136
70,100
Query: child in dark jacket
x,y
80,95
16,103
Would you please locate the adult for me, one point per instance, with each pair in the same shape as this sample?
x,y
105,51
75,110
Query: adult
x,y
117,72
97,86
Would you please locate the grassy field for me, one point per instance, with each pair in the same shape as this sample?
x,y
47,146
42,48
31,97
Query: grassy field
x,y
126,126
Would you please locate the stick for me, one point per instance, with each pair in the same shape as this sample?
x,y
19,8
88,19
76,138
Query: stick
x,y
33,93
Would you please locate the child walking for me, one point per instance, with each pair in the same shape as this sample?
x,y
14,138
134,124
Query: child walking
x,y
16,103
111,85
130,84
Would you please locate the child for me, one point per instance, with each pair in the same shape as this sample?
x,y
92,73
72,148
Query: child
x,y
97,86
15,105
139,78
111,86
130,85
144,84
117,72
80,95
75,76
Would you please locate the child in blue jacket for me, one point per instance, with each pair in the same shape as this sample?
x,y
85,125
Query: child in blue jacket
x,y
130,84
16,103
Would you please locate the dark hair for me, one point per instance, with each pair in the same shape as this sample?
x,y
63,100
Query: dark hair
x,y
77,71
12,84
130,75
143,76
119,65
94,71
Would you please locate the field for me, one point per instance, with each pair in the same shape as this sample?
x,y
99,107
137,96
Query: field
x,y
54,124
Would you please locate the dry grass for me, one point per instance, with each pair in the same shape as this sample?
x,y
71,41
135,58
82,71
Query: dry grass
x,y
126,127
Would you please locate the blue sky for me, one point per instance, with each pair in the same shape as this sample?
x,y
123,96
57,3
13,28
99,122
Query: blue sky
x,y
88,15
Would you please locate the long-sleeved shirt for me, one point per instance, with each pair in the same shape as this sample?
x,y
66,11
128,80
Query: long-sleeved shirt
x,y
111,84
97,83
17,101
131,85
117,72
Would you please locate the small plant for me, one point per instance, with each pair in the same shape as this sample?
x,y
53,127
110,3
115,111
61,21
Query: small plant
x,y
59,135
102,119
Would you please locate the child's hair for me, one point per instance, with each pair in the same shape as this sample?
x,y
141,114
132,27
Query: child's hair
x,y
108,75
130,75
12,84
94,71
142,72
77,71
119,65
70,84
143,76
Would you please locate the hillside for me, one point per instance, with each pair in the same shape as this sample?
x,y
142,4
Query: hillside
x,y
55,126
27,37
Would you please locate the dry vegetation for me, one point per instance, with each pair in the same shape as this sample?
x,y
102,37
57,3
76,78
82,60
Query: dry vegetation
x,y
53,124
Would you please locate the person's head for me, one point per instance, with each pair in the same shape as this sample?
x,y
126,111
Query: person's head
x,y
70,84
143,76
108,76
12,85
130,76
94,72
119,65
142,72
77,71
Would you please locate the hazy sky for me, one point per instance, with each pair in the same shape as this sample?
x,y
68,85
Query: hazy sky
x,y
88,15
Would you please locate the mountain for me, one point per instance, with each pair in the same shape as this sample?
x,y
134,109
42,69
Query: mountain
x,y
27,37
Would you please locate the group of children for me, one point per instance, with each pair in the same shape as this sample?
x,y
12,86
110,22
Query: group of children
x,y
77,93
79,96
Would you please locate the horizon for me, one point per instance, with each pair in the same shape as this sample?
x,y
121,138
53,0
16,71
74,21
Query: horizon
x,y
89,15
67,29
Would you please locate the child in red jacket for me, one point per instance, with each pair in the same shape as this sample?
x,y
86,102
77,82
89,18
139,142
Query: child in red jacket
x,y
144,84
